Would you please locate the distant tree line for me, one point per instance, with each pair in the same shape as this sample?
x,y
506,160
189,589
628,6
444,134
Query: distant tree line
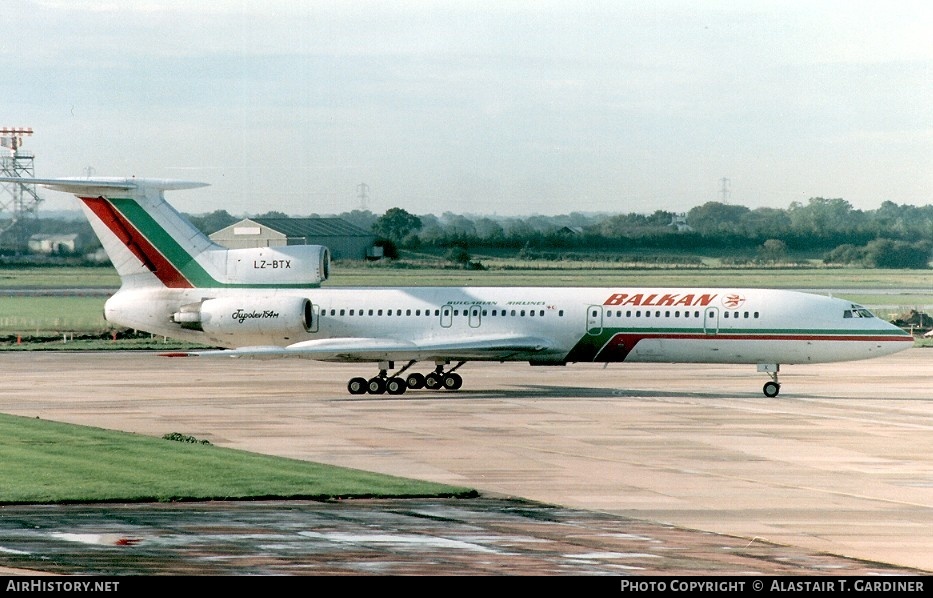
x,y
892,236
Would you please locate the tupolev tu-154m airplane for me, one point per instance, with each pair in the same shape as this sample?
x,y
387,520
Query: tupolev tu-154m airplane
x,y
268,302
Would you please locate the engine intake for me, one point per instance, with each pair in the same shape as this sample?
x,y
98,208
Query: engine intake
x,y
299,265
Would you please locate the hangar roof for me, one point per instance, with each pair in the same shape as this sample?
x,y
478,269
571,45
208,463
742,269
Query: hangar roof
x,y
312,227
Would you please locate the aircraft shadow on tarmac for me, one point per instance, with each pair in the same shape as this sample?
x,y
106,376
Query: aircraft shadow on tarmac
x,y
582,392
555,392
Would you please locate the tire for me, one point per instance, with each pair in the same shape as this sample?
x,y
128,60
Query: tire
x,y
415,381
433,381
357,386
771,389
376,386
453,381
396,386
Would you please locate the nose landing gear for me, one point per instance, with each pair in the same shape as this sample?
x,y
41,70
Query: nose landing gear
x,y
772,388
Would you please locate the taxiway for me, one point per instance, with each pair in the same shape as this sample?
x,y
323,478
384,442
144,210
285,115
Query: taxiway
x,y
841,463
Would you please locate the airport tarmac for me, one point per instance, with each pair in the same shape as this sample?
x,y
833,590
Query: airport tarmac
x,y
641,468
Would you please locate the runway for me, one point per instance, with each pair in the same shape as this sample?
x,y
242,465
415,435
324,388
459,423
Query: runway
x,y
837,471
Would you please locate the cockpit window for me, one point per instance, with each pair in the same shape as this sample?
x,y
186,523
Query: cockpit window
x,y
857,311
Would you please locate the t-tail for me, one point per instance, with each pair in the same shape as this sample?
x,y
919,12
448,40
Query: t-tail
x,y
152,245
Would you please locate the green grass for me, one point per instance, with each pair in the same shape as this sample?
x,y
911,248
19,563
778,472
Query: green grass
x,y
64,277
50,462
51,314
71,342
546,273
528,273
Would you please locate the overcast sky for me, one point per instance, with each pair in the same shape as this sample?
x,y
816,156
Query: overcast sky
x,y
501,107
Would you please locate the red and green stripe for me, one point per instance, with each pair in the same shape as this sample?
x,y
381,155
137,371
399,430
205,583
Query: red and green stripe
x,y
156,248
615,345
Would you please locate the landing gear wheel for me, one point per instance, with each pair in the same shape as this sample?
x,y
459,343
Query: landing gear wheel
x,y
452,381
395,385
376,386
433,381
771,389
415,381
357,386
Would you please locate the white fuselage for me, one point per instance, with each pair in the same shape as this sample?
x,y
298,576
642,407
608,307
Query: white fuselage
x,y
702,325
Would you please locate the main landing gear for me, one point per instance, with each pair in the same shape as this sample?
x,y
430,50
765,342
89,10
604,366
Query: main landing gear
x,y
772,388
395,384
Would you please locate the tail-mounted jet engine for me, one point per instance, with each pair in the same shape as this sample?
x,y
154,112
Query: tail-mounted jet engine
x,y
300,265
271,317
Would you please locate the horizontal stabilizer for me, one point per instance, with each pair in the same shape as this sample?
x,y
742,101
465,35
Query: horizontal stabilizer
x,y
104,185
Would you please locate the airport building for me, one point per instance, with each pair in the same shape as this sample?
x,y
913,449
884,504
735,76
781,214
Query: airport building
x,y
345,241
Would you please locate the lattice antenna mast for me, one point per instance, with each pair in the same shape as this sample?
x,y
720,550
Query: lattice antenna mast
x,y
18,201
726,189
362,193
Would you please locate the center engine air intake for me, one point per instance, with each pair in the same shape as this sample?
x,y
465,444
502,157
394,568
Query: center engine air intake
x,y
299,265
273,317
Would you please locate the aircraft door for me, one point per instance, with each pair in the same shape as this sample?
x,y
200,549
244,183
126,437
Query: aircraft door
x,y
447,316
711,320
476,313
594,320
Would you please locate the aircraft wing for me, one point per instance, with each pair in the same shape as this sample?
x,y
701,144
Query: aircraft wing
x,y
376,349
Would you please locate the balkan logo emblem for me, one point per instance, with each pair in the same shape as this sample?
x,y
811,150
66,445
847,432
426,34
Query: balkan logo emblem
x,y
733,301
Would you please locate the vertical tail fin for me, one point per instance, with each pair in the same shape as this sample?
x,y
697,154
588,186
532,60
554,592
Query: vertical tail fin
x,y
151,244
147,240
